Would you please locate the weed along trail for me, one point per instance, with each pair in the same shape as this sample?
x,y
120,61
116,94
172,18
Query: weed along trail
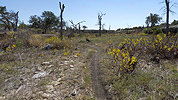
x,y
98,87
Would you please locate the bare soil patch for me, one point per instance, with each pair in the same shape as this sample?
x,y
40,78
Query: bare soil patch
x,y
98,86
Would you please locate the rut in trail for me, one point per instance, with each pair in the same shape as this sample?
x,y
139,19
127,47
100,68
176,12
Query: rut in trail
x,y
98,87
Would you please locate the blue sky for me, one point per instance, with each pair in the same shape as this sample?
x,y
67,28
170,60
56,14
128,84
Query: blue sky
x,y
119,13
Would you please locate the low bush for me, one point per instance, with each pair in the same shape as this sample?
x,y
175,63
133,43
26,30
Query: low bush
x,y
58,44
136,69
125,55
66,44
153,30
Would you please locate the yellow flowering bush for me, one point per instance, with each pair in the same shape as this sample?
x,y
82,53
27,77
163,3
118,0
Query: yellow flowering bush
x,y
58,44
163,46
123,59
127,53
53,39
65,44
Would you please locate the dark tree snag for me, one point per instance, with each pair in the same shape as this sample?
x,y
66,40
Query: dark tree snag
x,y
75,26
79,26
62,10
167,18
99,21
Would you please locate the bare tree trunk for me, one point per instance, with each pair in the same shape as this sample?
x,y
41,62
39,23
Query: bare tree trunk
x,y
167,18
62,10
99,19
13,27
45,29
79,29
16,21
100,28
61,26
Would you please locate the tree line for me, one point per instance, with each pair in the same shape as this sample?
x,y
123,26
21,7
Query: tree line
x,y
48,20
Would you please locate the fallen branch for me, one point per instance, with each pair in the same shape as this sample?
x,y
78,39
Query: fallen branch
x,y
20,58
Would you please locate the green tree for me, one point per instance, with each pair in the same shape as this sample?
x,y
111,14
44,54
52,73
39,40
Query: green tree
x,y
3,21
84,27
58,25
8,19
49,20
153,19
46,21
175,22
22,25
36,21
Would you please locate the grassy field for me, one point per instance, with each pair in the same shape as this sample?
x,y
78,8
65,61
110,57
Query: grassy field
x,y
149,80
66,71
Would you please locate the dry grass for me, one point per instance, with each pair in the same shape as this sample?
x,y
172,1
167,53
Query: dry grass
x,y
21,62
148,81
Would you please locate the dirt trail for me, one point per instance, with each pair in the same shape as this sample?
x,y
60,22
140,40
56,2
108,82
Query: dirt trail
x,y
98,87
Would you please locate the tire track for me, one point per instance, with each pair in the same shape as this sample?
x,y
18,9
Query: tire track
x,y
98,87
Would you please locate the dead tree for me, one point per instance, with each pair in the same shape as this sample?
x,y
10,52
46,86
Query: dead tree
x,y
99,21
109,27
75,26
167,9
62,10
79,26
167,17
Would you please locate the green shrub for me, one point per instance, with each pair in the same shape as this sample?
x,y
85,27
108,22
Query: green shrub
x,y
153,30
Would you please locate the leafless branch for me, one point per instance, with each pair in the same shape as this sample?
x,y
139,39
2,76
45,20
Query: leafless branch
x,y
71,21
161,2
173,12
81,22
163,8
73,25
173,5
20,57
